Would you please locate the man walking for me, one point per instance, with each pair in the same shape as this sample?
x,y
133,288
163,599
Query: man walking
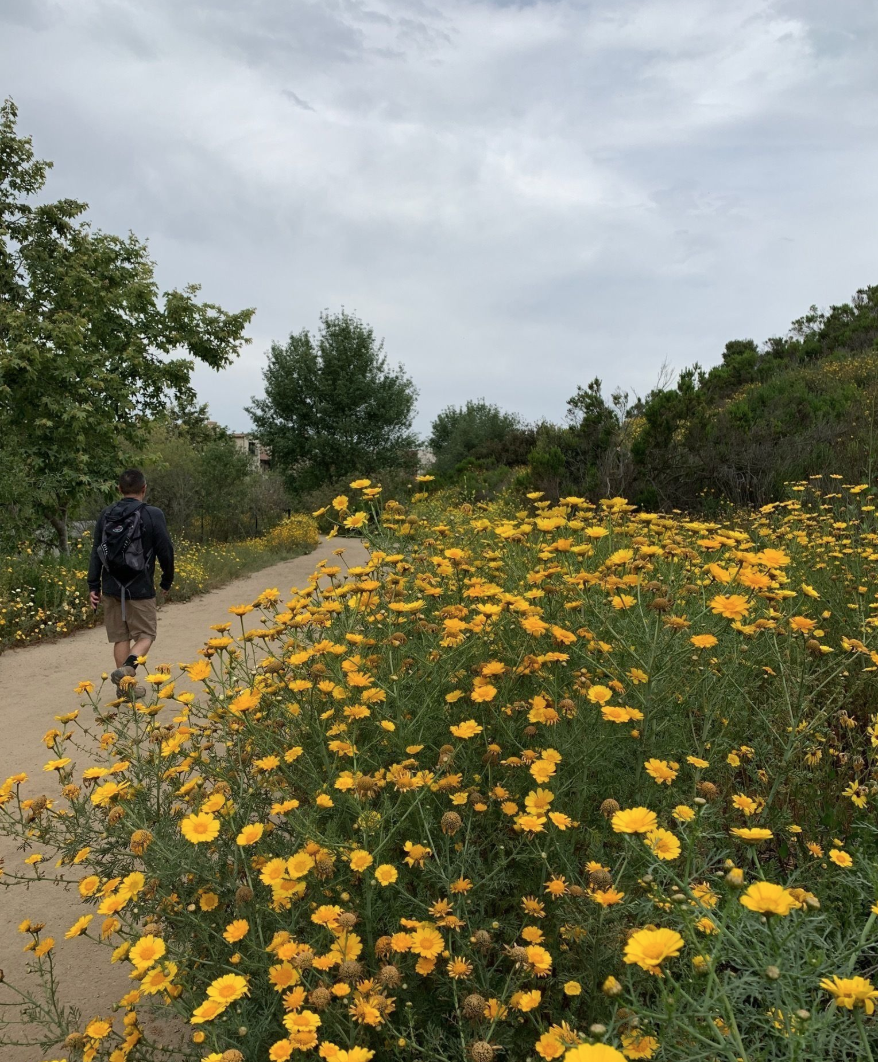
x,y
129,536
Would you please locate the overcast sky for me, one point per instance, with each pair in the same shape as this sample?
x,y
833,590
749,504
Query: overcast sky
x,y
518,196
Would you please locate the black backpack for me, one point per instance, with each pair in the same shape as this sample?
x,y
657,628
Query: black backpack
x,y
121,550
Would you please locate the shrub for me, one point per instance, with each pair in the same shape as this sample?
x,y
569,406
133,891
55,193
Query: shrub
x,y
568,781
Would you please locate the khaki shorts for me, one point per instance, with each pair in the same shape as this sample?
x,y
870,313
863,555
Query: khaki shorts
x,y
139,622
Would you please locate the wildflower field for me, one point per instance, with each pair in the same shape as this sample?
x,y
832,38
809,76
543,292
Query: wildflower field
x,y
540,781
46,596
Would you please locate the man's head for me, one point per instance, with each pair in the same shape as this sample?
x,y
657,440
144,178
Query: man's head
x,y
132,483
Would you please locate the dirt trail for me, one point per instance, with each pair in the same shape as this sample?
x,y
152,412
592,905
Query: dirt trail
x,y
36,684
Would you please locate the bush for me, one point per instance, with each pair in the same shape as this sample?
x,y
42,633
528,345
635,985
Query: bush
x,y
581,783
207,488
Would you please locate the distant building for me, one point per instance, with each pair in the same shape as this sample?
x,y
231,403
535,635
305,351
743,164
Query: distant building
x,y
246,444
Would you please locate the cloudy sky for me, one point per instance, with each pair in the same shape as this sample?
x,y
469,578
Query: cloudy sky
x,y
518,196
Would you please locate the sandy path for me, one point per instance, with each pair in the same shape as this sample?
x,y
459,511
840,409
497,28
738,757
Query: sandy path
x,y
36,684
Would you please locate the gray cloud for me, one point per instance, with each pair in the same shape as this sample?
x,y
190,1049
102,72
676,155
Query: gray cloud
x,y
518,196
299,102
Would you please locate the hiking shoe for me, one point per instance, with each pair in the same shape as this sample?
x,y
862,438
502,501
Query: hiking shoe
x,y
126,671
123,678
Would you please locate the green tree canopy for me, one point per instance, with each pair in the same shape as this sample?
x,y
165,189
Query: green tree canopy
x,y
461,432
208,488
332,406
89,348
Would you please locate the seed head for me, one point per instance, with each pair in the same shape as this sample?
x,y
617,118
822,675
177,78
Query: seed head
x,y
350,970
320,998
600,879
474,1006
451,822
324,865
366,788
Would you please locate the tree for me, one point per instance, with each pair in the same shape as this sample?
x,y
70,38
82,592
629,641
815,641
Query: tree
x,y
333,407
592,419
461,432
89,349
207,487
18,521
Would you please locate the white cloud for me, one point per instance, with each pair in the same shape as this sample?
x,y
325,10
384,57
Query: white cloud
x,y
517,196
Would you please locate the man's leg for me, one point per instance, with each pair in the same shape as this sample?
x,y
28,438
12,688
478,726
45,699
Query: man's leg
x,y
141,646
142,625
121,652
120,637
140,628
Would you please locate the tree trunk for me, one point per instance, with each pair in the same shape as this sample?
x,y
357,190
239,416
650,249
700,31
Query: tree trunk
x,y
59,522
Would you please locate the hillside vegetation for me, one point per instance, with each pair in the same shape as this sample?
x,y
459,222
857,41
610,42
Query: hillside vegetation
x,y
766,415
